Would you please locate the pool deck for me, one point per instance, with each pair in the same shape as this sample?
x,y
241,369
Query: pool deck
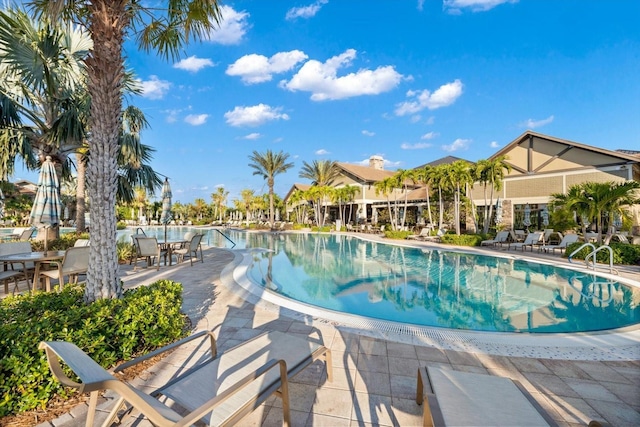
x,y
375,374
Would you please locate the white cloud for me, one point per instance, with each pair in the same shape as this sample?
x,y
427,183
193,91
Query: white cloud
x,y
154,88
322,152
416,146
322,81
429,135
532,124
431,120
416,118
254,116
193,64
172,115
252,136
233,27
456,6
305,11
444,96
196,119
368,133
458,144
494,144
258,68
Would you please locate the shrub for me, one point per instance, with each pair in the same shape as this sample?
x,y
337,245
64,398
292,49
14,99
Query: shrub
x,y
623,253
124,250
62,243
108,330
325,229
121,226
462,240
397,234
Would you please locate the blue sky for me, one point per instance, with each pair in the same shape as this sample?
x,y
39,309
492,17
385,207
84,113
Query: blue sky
x,y
410,80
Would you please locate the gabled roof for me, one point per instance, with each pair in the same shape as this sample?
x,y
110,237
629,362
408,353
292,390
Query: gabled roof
x,y
365,174
294,187
443,161
621,154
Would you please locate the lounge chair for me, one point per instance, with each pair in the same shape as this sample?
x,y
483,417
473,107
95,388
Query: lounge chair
x,y
425,232
532,239
221,390
455,398
501,237
74,263
81,243
566,240
190,249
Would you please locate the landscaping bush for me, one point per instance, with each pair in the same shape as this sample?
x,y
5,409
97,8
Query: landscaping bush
x,y
62,243
461,240
325,229
397,234
109,330
623,253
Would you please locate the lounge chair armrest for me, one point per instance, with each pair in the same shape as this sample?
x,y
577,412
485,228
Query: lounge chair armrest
x,y
168,347
246,380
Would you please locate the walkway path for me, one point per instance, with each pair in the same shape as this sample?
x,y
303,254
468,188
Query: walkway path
x,y
374,379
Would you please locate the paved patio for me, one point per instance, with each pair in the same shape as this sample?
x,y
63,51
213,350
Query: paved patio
x,y
375,378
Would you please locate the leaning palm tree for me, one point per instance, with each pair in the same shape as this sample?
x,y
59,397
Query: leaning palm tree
x,y
268,165
110,23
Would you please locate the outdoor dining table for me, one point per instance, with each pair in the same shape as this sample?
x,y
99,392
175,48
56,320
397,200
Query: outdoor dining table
x,y
169,246
38,258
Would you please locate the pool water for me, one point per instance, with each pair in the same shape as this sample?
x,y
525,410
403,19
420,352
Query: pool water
x,y
437,288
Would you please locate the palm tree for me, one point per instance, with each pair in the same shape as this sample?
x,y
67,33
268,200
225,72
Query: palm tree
x,y
386,187
320,172
491,173
402,176
219,199
425,175
268,165
298,200
110,23
593,199
441,179
460,176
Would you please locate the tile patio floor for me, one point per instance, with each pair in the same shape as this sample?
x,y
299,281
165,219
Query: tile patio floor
x,y
375,379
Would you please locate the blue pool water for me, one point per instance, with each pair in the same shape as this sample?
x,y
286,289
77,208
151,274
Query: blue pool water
x,y
438,288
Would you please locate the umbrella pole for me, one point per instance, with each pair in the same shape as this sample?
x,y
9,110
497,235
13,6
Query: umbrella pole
x,y
165,231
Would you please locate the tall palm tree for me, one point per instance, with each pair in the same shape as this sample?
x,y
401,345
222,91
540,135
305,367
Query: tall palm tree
x,y
110,23
425,176
268,165
219,199
402,177
320,172
460,176
386,187
441,179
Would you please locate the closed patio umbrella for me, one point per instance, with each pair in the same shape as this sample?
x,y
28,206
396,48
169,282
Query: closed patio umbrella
x,y
527,216
545,217
165,216
499,211
46,205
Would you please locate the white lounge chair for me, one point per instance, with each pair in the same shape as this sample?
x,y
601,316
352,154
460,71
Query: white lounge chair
x,y
501,237
220,390
532,239
566,240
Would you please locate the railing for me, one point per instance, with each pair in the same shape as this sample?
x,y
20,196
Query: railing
x,y
226,237
139,230
593,253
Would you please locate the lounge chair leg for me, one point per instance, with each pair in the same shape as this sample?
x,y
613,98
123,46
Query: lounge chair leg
x,y
284,395
91,413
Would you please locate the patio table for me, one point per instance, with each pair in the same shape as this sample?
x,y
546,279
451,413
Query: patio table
x,y
168,246
38,258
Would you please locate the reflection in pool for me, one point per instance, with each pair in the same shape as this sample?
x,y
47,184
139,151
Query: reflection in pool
x,y
438,288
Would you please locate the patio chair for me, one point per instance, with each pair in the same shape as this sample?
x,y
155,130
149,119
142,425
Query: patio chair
x,y
190,250
25,235
11,270
147,247
81,243
501,237
220,390
566,240
532,239
74,263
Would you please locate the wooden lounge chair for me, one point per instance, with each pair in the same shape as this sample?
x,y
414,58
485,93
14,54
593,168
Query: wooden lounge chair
x,y
532,239
454,398
74,263
220,391
501,237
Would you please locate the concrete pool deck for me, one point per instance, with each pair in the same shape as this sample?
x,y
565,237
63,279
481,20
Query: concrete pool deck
x,y
375,375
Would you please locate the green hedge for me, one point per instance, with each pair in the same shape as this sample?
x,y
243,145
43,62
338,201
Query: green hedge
x,y
62,243
623,253
397,234
109,330
462,240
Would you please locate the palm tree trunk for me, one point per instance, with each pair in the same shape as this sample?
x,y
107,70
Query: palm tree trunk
x,y
80,193
105,71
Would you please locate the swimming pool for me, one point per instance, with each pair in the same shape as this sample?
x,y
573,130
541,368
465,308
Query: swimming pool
x,y
437,288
